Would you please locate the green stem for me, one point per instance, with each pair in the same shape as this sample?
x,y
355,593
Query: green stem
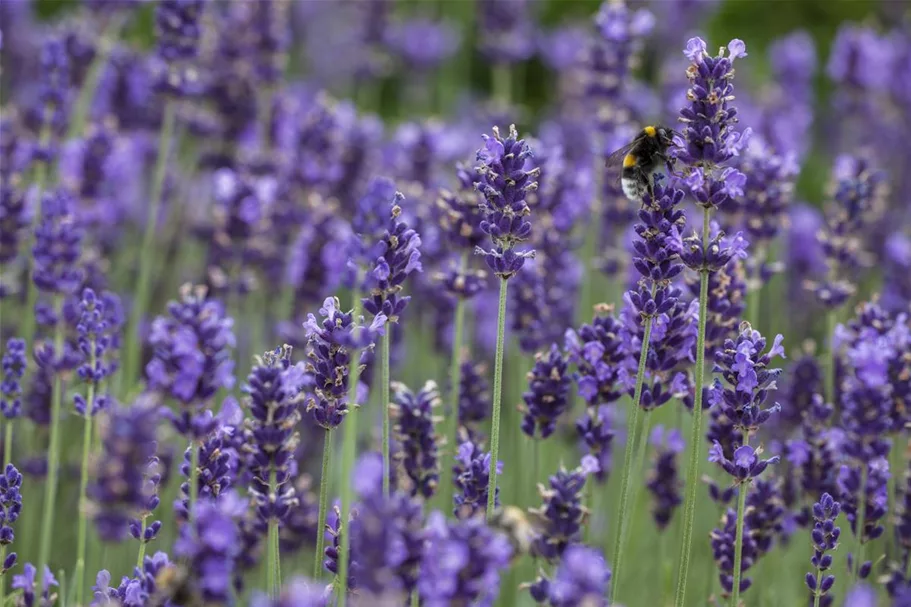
x,y
831,321
817,594
83,484
738,540
194,478
692,480
631,438
323,505
142,544
272,559
861,520
8,443
90,84
31,297
455,380
53,452
502,84
349,453
134,347
754,297
497,400
384,402
2,577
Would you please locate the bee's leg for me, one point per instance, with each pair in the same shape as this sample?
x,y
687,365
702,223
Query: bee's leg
x,y
650,185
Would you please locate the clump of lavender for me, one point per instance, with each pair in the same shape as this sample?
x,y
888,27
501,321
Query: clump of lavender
x,y
505,183
595,428
178,33
474,396
14,364
26,583
597,350
332,341
506,30
548,395
10,508
140,588
192,358
744,366
387,536
856,201
119,491
418,453
471,477
561,516
210,545
581,579
664,481
825,539
462,562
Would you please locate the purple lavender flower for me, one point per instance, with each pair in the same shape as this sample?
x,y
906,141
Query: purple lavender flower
x,y
139,529
595,429
10,508
814,456
825,539
119,491
745,367
418,451
133,591
299,528
422,44
331,342
298,592
471,474
26,583
192,354
58,243
274,389
719,251
387,535
14,364
460,213
548,395
94,339
462,562
215,472
561,516
723,542
507,32
709,139
210,544
897,268
334,530
873,493
398,255
178,32
14,218
745,465
54,93
598,350
581,579
764,514
474,395
505,183
664,481
857,200
608,66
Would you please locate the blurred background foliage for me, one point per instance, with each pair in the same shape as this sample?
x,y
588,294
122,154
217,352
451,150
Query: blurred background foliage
x,y
757,22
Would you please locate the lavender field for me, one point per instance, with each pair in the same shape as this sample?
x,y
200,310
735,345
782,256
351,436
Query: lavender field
x,y
310,303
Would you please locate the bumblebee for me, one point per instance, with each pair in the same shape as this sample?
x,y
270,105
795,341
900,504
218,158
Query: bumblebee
x,y
515,524
640,159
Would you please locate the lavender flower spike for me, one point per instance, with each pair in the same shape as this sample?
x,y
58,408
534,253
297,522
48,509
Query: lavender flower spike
x,y
548,395
414,429
472,474
14,362
581,579
10,508
505,184
825,539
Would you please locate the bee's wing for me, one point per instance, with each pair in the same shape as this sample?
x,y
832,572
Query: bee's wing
x,y
616,157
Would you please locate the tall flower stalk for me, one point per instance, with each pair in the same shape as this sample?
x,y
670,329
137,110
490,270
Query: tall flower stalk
x,y
343,344
658,261
178,30
13,367
504,183
397,255
93,343
709,141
